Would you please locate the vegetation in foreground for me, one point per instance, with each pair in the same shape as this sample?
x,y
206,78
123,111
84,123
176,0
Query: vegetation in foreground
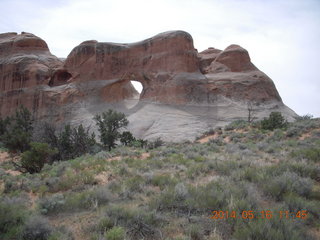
x,y
172,191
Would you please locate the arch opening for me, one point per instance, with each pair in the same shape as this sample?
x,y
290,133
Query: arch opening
x,y
135,97
137,86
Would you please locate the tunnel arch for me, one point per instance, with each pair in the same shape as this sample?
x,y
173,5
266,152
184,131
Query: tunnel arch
x,y
137,85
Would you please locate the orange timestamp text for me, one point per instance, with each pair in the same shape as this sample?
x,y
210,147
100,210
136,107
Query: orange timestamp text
x,y
267,214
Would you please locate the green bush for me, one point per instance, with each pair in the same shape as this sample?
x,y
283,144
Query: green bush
x,y
109,124
139,222
51,204
304,117
12,218
275,120
195,232
104,224
36,228
33,160
17,130
295,203
115,233
287,182
238,124
155,144
163,181
74,142
269,229
126,138
312,154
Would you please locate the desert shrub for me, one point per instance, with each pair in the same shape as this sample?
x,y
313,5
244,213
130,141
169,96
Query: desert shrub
x,y
238,124
163,181
138,222
295,203
60,233
217,195
181,191
225,167
115,233
251,174
255,135
156,143
304,117
178,159
135,184
236,137
311,153
104,224
86,199
33,160
101,195
195,232
304,170
102,155
51,204
294,131
217,142
168,151
277,135
126,138
275,120
74,201
13,215
273,228
199,169
124,152
286,183
222,194
36,228
167,201
139,143
211,131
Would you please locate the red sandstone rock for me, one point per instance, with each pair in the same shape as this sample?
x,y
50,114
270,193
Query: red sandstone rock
x,y
207,57
25,62
97,74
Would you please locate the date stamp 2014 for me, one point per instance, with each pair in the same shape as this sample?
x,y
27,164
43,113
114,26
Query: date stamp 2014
x,y
267,214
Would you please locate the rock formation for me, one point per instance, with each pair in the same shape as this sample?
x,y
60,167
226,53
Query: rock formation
x,y
184,92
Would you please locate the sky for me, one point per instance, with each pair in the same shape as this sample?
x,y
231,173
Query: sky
x,y
282,36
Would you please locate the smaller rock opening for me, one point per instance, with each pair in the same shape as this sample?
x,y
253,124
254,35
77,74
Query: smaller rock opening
x,y
59,78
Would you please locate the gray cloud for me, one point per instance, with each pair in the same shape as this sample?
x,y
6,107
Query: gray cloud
x,y
281,36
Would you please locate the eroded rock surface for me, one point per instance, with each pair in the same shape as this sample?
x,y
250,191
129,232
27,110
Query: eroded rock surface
x,y
184,92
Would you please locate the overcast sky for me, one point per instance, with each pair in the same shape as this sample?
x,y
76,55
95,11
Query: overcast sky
x,y
282,37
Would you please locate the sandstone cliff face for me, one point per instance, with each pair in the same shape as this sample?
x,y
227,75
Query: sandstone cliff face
x,y
184,92
25,62
154,62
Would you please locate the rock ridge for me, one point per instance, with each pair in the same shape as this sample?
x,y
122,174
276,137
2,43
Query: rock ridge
x,y
191,90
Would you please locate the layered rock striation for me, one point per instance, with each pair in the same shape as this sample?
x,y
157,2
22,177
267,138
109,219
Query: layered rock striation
x,y
184,92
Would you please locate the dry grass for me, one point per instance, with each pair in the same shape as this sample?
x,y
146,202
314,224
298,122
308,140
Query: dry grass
x,y
146,182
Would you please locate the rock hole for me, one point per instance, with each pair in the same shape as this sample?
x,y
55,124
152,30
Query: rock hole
x,y
130,103
137,85
59,78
